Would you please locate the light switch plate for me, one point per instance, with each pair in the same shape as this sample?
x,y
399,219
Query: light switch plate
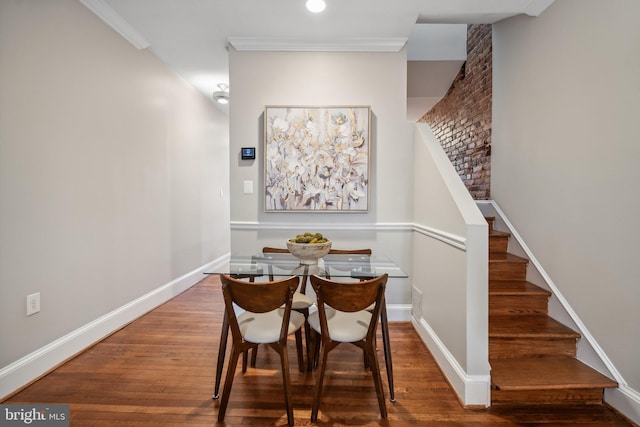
x,y
248,187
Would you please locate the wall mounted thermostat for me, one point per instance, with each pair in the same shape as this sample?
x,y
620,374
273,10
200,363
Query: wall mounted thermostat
x,y
248,153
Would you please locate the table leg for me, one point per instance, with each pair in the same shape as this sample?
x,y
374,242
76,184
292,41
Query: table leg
x,y
387,349
307,328
221,353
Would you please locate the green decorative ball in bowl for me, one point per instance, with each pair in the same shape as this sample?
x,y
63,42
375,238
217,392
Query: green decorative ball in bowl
x,y
309,248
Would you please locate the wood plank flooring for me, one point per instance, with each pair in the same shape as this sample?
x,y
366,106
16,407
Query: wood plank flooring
x,y
159,371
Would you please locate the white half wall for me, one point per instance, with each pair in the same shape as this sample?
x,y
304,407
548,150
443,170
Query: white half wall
x,y
450,274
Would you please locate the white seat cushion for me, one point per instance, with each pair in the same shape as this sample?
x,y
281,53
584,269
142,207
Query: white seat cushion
x,y
301,301
265,327
343,326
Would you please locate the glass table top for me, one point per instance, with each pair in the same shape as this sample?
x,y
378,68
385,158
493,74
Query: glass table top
x,y
332,265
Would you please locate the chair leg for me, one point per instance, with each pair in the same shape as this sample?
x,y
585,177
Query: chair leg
x,y
301,366
284,361
318,390
221,354
316,349
366,360
311,350
254,356
377,378
245,358
307,337
384,323
309,344
228,382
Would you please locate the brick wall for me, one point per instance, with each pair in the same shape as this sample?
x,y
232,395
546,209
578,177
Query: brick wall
x,y
462,119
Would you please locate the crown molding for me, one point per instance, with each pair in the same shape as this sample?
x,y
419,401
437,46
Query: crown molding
x,y
335,45
103,11
536,7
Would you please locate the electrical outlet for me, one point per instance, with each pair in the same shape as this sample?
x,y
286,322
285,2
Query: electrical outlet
x,y
33,303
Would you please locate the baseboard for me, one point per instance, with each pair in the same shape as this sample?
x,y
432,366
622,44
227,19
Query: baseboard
x,y
399,312
625,400
34,365
472,390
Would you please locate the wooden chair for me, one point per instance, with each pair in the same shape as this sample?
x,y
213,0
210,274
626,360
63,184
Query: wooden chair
x,y
383,310
347,321
301,302
300,299
224,335
268,319
332,263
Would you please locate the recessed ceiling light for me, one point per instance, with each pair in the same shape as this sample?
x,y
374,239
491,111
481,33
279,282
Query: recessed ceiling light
x,y
316,6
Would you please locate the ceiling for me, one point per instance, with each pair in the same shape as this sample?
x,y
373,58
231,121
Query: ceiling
x,y
192,36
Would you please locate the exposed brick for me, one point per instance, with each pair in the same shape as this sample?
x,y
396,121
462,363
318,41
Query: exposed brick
x,y
462,119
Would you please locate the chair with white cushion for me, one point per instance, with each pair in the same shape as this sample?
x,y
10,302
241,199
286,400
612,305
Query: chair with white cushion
x,y
342,317
363,272
268,319
301,302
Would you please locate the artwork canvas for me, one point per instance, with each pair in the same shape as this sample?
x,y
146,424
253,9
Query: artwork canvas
x,y
317,159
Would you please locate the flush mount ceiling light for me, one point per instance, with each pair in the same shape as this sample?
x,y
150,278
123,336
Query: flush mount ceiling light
x,y
221,96
316,6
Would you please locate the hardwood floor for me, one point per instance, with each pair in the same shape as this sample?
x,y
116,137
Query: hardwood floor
x,y
159,371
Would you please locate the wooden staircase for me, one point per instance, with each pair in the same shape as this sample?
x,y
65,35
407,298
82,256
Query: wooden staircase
x,y
532,356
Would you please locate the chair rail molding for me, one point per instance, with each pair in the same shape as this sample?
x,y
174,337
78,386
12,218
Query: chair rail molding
x,y
444,236
454,240
337,226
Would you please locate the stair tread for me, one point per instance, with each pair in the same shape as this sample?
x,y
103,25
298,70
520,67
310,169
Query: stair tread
x,y
497,233
528,326
505,257
546,373
515,287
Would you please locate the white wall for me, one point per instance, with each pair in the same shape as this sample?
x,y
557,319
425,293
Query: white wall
x,y
110,173
326,79
316,79
565,159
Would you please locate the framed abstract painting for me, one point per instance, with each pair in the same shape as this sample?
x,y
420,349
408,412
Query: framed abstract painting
x,y
317,159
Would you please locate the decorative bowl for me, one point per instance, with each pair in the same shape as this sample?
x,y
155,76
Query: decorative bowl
x,y
308,253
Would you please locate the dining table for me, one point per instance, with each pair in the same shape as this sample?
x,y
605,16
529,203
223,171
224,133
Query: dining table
x,y
254,265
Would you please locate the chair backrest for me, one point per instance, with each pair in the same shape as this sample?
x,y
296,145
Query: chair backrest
x,y
258,297
339,264
350,296
328,262
350,251
305,273
270,250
